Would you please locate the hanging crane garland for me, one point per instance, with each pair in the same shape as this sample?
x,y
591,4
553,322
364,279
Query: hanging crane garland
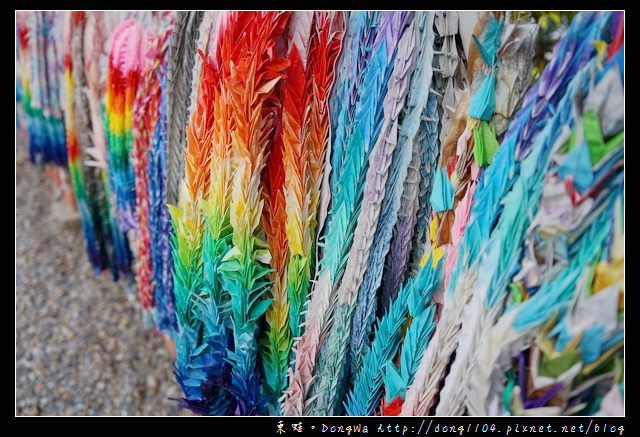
x,y
361,213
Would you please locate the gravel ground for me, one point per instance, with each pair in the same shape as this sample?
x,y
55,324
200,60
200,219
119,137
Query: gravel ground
x,y
81,346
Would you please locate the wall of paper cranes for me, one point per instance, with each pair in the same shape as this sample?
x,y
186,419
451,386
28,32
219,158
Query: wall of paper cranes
x,y
349,213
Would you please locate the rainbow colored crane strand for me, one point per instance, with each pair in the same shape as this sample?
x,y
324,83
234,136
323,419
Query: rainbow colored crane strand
x,y
122,83
39,35
295,171
95,50
200,239
74,79
278,342
249,78
378,212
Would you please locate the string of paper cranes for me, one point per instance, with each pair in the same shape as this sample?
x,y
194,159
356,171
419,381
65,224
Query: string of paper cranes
x,y
350,213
